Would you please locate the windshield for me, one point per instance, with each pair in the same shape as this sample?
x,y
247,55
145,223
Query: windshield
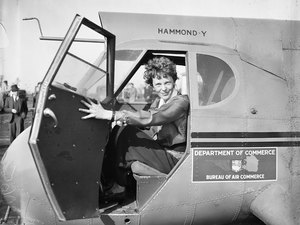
x,y
124,61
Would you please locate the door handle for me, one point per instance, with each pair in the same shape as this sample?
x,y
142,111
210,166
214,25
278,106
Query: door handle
x,y
52,97
49,113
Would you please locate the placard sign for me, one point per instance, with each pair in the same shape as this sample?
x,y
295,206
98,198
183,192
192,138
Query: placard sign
x,y
244,164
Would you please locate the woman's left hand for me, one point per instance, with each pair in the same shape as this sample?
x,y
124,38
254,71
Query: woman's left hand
x,y
95,111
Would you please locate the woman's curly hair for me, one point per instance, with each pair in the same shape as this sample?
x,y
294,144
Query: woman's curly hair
x,y
159,67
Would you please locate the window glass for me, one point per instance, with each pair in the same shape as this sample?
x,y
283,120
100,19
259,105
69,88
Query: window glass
x,y
125,59
81,77
136,89
85,73
83,70
215,79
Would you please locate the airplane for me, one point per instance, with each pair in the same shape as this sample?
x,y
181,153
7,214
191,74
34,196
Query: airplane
x,y
242,159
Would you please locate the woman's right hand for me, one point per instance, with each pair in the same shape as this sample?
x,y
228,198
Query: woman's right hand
x,y
95,111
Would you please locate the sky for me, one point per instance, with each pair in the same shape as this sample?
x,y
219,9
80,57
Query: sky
x,y
26,58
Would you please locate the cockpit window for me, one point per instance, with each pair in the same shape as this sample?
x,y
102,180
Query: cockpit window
x,y
124,60
215,79
138,92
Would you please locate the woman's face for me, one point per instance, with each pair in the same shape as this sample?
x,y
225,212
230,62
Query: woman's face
x,y
164,87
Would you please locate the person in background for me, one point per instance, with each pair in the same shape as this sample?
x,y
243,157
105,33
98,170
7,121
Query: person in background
x,y
1,101
36,94
162,146
148,93
17,107
130,93
5,87
4,91
1,98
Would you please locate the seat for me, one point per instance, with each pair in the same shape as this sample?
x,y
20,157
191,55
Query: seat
x,y
142,169
148,180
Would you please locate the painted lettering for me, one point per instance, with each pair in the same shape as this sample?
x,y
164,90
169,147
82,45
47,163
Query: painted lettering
x,y
261,152
214,177
252,176
203,32
213,152
184,32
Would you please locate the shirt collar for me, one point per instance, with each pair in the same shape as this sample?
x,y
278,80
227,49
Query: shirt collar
x,y
162,102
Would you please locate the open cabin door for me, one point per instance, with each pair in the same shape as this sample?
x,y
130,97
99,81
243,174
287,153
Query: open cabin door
x,y
68,151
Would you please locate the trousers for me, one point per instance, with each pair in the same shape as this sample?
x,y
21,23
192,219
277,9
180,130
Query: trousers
x,y
129,144
16,127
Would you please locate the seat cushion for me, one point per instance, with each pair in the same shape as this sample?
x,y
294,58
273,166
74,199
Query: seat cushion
x,y
142,169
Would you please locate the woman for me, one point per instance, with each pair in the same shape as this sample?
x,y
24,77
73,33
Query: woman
x,y
167,118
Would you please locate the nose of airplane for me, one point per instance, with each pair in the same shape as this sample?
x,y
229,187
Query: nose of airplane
x,y
20,183
9,183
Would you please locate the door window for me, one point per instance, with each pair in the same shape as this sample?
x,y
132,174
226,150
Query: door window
x,y
215,79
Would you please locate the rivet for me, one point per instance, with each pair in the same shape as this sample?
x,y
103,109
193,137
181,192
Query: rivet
x,y
127,221
253,110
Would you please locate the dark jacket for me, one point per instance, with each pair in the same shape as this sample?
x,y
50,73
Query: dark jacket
x,y
169,121
20,105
